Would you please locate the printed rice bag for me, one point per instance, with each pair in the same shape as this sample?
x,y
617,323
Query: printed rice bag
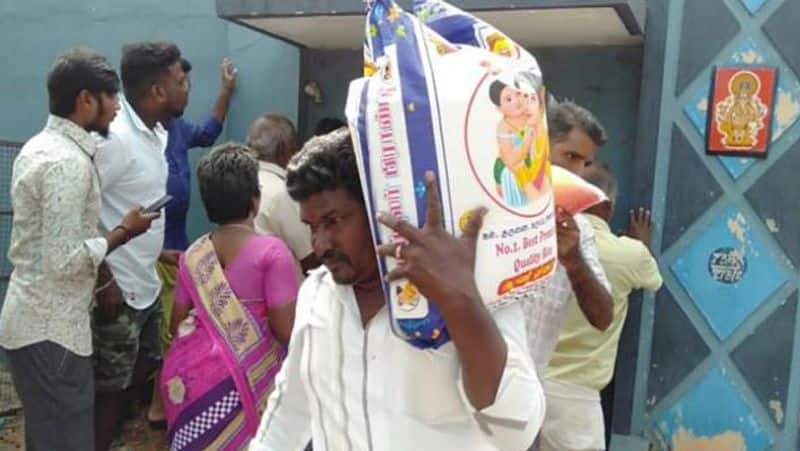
x,y
571,192
477,120
461,28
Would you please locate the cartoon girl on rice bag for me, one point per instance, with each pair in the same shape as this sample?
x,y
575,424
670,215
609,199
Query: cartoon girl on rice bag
x,y
520,171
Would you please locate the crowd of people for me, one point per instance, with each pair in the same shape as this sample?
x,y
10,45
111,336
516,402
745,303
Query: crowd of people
x,y
270,331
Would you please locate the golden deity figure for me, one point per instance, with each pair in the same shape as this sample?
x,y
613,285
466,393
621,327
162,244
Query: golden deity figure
x,y
740,117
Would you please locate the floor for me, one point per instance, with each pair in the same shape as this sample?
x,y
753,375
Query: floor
x,y
137,435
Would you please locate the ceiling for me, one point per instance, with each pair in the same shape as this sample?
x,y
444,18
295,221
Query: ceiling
x,y
552,27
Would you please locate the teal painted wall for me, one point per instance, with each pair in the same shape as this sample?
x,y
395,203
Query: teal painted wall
x,y
605,80
33,32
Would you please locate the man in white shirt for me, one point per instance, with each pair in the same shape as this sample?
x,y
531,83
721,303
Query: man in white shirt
x,y
575,136
133,170
274,140
348,382
56,249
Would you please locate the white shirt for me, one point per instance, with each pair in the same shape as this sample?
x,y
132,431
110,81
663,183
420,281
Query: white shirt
x,y
133,171
55,245
278,214
545,316
351,388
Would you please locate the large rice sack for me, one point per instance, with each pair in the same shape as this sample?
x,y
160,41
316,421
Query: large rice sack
x,y
458,27
474,118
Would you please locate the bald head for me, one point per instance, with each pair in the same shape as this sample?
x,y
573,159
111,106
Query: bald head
x,y
273,138
600,175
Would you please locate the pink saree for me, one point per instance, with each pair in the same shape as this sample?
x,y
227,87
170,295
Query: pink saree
x,y
218,374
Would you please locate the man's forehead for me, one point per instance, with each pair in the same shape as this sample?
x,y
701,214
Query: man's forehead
x,y
324,203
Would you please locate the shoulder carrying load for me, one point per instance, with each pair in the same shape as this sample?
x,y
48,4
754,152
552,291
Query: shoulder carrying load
x,y
438,99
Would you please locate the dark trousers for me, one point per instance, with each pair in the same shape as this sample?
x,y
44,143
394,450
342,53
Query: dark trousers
x,y
56,388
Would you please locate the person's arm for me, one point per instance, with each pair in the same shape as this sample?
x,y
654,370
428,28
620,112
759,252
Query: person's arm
x,y
516,415
280,289
229,77
63,191
206,134
442,267
577,253
203,135
497,377
286,424
182,299
646,274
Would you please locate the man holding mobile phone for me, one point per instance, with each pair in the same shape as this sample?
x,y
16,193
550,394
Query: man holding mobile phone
x,y
56,249
133,171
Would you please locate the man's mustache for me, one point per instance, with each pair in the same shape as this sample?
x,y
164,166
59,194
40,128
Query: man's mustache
x,y
335,256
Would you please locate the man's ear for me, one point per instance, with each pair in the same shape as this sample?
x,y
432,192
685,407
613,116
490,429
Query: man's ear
x,y
158,92
85,101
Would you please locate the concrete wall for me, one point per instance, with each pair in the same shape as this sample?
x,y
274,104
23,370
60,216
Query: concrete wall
x,y
716,360
33,32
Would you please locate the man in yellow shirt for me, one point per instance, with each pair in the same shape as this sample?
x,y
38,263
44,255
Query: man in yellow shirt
x,y
583,362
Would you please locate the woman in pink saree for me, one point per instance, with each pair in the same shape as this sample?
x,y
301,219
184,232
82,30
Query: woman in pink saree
x,y
234,309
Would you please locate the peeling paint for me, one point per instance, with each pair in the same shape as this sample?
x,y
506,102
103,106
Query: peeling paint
x,y
772,225
684,440
750,56
738,228
777,410
787,109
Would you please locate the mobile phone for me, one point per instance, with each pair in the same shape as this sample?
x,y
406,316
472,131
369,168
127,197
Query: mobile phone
x,y
158,205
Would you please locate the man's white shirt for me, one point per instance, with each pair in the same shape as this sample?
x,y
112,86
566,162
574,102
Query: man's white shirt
x,y
133,171
355,388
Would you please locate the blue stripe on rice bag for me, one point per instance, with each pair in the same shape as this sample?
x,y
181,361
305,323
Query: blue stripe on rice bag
x,y
387,26
364,147
417,111
459,27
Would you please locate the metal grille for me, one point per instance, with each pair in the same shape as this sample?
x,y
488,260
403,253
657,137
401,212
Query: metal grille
x,y
9,401
8,152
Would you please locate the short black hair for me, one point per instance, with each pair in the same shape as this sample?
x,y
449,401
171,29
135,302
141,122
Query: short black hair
x,y
228,180
142,64
325,163
77,70
564,116
327,125
186,65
